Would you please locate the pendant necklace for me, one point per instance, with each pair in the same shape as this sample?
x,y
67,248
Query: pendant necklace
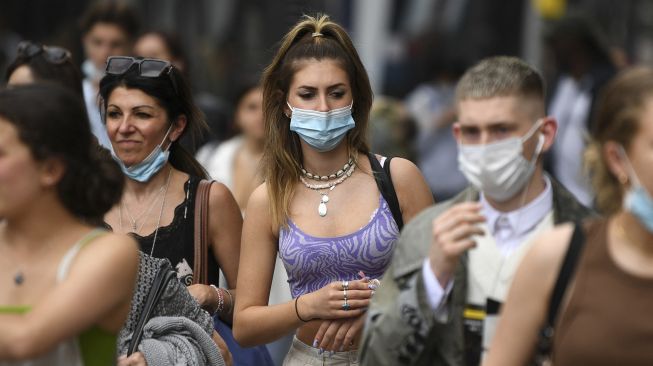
x,y
145,212
19,275
158,222
322,209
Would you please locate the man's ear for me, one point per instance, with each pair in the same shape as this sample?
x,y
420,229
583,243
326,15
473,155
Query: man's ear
x,y
455,129
549,129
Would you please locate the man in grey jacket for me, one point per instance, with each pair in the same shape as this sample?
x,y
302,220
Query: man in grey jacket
x,y
454,262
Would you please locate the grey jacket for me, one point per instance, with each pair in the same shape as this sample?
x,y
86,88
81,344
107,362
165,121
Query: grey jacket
x,y
175,301
401,328
170,341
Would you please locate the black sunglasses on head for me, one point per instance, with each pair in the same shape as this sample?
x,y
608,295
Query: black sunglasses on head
x,y
147,67
55,55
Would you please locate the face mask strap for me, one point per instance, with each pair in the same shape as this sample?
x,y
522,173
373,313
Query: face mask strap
x,y
166,136
532,130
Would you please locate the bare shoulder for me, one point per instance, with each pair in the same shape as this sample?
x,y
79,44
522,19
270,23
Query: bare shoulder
x,y
412,190
402,166
109,251
259,198
549,248
220,194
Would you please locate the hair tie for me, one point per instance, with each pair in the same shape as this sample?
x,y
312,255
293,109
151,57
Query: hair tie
x,y
317,34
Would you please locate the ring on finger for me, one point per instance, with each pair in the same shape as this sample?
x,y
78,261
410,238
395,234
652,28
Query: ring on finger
x,y
345,285
345,305
344,294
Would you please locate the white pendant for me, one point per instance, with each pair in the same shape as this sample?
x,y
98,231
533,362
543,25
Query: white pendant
x,y
322,209
325,198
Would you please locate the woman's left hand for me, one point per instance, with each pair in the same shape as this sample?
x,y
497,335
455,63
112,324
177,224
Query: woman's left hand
x,y
339,335
205,295
136,359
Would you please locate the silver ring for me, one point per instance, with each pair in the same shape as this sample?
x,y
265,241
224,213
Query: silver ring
x,y
344,294
345,285
345,306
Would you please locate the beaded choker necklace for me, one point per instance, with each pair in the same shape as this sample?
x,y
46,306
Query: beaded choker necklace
x,y
333,176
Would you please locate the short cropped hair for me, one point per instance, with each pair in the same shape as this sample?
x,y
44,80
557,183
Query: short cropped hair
x,y
500,76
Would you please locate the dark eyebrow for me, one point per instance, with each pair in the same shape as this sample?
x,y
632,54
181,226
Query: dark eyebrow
x,y
312,88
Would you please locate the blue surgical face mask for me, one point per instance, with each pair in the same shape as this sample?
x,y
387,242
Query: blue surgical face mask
x,y
638,200
143,171
321,130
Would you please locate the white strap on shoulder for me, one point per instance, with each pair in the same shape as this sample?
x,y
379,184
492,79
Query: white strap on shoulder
x,y
66,261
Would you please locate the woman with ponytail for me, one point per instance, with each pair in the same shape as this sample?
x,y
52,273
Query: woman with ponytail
x,y
55,187
329,208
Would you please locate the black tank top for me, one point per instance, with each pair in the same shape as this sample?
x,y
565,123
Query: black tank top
x,y
176,241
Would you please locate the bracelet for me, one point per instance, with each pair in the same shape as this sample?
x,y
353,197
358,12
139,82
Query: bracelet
x,y
297,311
220,307
231,300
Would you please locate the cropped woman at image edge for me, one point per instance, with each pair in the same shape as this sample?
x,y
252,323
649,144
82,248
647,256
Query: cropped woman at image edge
x,y
55,186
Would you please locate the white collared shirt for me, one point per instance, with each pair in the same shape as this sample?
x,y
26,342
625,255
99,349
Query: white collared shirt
x,y
509,230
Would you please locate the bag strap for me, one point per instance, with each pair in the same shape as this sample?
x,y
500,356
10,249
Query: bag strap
x,y
160,282
566,273
201,233
384,182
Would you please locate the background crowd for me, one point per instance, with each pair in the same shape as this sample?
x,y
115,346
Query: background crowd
x,y
418,80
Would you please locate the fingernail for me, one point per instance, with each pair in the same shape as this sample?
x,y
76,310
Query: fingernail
x,y
316,342
361,274
372,286
373,292
320,351
342,348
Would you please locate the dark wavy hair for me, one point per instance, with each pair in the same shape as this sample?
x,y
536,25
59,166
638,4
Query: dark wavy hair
x,y
52,121
172,91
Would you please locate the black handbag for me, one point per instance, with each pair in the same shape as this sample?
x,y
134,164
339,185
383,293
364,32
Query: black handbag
x,y
163,276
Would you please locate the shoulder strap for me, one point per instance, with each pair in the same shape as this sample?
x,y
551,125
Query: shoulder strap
x,y
164,275
566,273
67,260
384,182
201,235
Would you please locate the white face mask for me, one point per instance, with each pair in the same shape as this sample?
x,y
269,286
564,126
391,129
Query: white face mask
x,y
499,169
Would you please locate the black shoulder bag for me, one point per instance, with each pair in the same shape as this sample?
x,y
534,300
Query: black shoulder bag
x,y
384,182
163,276
545,342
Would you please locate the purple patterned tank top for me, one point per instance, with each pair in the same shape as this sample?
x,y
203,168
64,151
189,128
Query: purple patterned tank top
x,y
312,262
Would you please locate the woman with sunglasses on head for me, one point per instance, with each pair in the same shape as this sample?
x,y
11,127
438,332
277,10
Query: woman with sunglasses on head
x,y
147,107
55,187
604,302
35,62
320,207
